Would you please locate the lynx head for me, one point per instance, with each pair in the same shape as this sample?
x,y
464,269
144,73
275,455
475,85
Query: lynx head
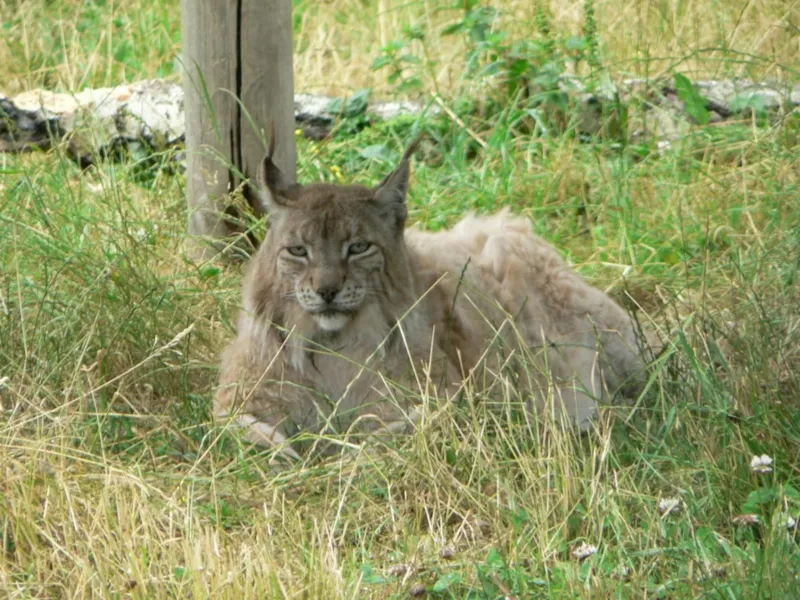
x,y
332,250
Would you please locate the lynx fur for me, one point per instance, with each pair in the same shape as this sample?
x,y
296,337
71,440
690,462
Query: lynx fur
x,y
343,306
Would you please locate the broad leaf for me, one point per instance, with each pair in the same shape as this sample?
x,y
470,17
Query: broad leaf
x,y
693,100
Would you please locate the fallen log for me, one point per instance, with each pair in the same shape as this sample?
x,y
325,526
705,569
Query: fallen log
x,y
150,112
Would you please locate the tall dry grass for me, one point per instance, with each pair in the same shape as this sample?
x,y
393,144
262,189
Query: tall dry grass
x,y
70,44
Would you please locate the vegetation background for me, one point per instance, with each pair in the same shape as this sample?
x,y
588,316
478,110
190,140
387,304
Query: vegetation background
x,y
114,482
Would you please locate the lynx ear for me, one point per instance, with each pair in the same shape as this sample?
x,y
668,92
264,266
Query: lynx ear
x,y
392,191
273,185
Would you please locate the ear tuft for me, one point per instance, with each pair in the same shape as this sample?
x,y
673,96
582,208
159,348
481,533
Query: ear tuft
x,y
392,191
273,184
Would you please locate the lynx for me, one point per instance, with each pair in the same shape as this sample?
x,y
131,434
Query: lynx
x,y
345,309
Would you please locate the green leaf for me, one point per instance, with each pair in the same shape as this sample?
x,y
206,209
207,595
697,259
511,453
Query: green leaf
x,y
453,29
414,33
209,272
393,46
706,536
409,85
123,52
353,106
357,103
369,576
791,492
335,106
725,545
753,102
376,151
758,498
763,495
519,68
495,559
576,43
381,61
693,100
446,580
411,59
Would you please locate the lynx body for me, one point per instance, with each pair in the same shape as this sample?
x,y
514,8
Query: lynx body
x,y
349,318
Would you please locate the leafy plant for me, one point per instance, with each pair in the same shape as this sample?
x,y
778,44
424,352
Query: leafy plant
x,y
526,78
694,101
522,82
405,67
590,35
352,112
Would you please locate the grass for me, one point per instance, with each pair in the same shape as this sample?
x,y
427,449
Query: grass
x,y
115,482
72,44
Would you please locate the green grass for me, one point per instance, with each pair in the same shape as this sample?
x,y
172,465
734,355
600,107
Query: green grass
x,y
115,483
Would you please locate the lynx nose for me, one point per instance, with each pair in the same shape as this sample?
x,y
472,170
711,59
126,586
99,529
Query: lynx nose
x,y
328,293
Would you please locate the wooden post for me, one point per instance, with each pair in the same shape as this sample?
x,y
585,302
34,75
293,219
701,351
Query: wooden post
x,y
233,49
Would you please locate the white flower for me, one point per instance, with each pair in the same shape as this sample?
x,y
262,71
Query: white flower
x,y
747,520
788,521
761,464
621,572
584,551
668,506
663,146
94,188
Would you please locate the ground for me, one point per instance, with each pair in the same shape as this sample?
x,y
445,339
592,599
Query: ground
x,y
116,483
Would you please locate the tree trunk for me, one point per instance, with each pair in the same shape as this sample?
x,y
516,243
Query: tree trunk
x,y
238,79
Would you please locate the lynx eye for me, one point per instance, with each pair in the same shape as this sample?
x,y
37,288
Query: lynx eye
x,y
297,250
358,248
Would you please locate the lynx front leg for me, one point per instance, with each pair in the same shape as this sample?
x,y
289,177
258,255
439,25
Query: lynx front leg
x,y
432,381
261,433
244,406
577,405
571,388
401,424
569,403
